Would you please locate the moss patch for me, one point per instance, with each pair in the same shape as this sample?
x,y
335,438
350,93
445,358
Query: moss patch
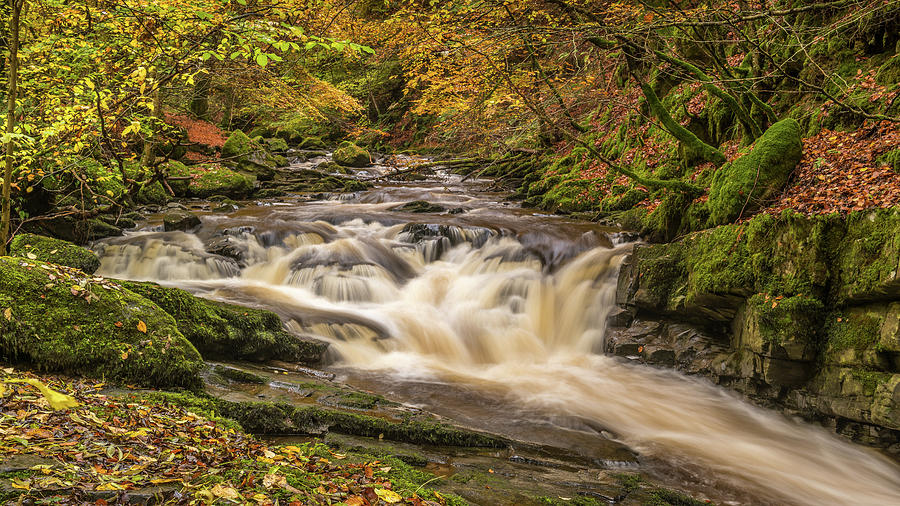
x,y
351,155
743,185
220,330
61,320
868,257
207,180
46,249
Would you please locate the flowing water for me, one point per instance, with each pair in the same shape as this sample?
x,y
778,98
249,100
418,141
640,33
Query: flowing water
x,y
494,316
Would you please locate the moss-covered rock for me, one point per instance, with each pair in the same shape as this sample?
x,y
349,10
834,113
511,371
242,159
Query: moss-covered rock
x,y
59,319
56,251
780,327
867,259
220,330
351,155
312,143
276,145
153,193
281,418
710,273
207,180
246,155
745,184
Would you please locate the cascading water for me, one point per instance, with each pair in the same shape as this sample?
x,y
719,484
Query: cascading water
x,y
499,315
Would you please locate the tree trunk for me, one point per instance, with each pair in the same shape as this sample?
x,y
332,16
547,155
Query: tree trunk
x,y
13,65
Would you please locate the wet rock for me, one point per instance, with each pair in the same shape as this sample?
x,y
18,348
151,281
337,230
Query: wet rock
x,y
227,247
180,220
419,206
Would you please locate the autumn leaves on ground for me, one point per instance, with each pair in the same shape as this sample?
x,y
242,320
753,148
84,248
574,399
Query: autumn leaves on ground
x,y
89,447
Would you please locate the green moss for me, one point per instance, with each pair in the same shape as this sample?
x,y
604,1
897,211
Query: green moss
x,y
868,257
276,145
61,320
152,194
312,143
787,320
745,184
237,145
856,331
220,330
351,155
281,418
891,159
870,380
46,249
207,180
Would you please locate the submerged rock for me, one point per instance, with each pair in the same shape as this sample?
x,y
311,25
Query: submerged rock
x,y
59,319
419,206
46,249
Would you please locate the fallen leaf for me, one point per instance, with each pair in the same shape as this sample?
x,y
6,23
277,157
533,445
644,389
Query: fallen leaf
x,y
141,326
388,496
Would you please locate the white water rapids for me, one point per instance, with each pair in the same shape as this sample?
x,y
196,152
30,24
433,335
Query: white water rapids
x,y
469,307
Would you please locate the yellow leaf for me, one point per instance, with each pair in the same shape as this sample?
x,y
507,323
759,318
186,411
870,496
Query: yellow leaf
x,y
142,327
388,496
55,399
225,492
7,313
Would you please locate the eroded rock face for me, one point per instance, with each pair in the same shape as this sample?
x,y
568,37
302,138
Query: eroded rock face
x,y
794,312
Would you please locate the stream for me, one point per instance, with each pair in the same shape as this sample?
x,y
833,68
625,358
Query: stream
x,y
493,316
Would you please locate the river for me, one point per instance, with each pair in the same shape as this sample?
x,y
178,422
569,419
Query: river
x,y
494,315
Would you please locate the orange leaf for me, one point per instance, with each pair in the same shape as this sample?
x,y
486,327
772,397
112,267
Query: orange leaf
x,y
141,326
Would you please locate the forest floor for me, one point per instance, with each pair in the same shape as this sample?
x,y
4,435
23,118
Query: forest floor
x,y
128,449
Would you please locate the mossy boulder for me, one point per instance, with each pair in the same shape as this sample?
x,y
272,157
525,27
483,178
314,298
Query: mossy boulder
x,y
866,336
745,184
56,251
312,143
226,331
206,180
276,145
57,318
237,145
351,155
780,327
246,155
154,193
